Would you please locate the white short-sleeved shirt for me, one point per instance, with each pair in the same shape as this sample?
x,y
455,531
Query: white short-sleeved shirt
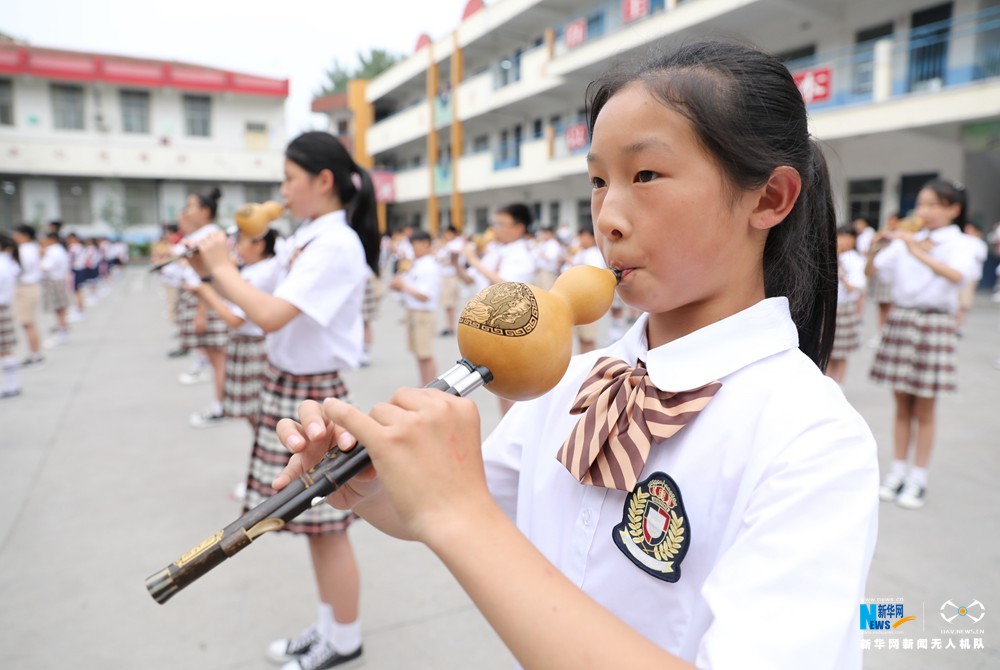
x,y
424,276
29,255
852,264
863,241
188,276
9,272
916,286
55,263
78,256
263,275
326,282
591,257
512,261
778,479
549,255
447,252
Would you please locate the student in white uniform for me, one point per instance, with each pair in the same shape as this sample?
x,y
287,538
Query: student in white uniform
x,y
419,288
589,254
508,258
851,284
917,356
56,269
764,504
314,330
549,257
29,292
448,254
10,379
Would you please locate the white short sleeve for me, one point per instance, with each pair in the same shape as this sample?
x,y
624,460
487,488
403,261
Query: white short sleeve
x,y
320,281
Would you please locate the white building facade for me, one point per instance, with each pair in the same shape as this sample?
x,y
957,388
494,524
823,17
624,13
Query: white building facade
x,y
115,144
898,91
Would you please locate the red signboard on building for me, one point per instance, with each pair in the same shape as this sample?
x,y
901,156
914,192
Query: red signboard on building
x,y
576,137
634,9
814,84
385,185
576,33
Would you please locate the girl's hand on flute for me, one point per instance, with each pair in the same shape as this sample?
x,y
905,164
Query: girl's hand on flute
x,y
426,448
309,441
214,251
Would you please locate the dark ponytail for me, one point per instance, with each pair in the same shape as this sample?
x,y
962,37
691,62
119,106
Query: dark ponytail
x,y
749,116
270,239
316,151
210,201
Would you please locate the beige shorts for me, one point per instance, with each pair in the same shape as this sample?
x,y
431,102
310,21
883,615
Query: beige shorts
x,y
420,326
26,300
544,279
968,295
449,291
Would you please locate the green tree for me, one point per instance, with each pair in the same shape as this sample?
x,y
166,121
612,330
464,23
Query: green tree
x,y
368,67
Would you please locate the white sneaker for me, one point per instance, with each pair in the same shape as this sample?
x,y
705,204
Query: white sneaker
x,y
206,419
288,649
199,376
75,317
891,486
912,496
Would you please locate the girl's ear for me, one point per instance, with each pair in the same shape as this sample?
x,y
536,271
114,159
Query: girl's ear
x,y
324,181
777,197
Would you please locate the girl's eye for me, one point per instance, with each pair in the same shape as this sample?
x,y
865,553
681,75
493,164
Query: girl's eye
x,y
643,176
596,182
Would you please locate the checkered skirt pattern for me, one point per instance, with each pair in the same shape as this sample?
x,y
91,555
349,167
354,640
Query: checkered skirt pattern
x,y
917,354
847,336
216,334
369,307
8,333
881,291
280,398
246,357
55,295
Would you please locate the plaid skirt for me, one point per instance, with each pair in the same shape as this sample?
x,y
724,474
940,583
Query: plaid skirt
x,y
246,356
8,334
55,296
280,398
216,334
881,291
369,308
917,354
847,335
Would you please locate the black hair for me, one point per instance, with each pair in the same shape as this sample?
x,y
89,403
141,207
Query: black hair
x,y
25,229
518,211
452,229
316,151
270,239
420,236
52,236
950,193
57,224
847,229
7,243
748,114
210,200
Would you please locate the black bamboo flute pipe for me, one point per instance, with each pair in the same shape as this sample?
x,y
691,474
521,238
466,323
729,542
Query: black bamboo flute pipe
x,y
331,473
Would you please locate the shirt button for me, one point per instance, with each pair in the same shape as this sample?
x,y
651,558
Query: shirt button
x,y
585,518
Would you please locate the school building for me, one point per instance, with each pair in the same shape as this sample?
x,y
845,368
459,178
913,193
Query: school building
x,y
899,91
113,144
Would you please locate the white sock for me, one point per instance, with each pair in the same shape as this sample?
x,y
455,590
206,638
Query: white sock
x,y
324,620
918,476
345,637
899,469
11,378
217,407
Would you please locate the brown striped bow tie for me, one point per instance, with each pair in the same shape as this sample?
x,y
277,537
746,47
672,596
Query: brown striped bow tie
x,y
623,412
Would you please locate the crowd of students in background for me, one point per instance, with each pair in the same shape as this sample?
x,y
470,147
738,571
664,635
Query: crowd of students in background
x,y
48,273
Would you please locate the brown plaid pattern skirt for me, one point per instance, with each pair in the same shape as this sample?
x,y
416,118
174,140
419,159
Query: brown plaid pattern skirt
x,y
917,354
847,335
280,398
216,334
55,295
369,307
8,334
246,356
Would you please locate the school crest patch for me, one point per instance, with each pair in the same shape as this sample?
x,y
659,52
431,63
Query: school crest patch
x,y
654,532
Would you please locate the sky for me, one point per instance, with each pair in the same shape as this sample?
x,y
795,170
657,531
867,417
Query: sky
x,y
294,39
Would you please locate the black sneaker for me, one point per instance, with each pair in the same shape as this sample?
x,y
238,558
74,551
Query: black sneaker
x,y
206,419
289,649
177,353
37,360
912,496
322,656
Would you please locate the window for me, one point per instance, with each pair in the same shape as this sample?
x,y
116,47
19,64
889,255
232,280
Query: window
x,y
796,59
6,103
198,115
135,112
74,201
67,107
537,128
10,204
583,220
255,136
554,213
864,197
482,215
140,202
864,56
480,143
343,127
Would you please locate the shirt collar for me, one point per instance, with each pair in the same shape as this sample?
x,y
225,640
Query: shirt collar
x,y
310,230
715,351
943,234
